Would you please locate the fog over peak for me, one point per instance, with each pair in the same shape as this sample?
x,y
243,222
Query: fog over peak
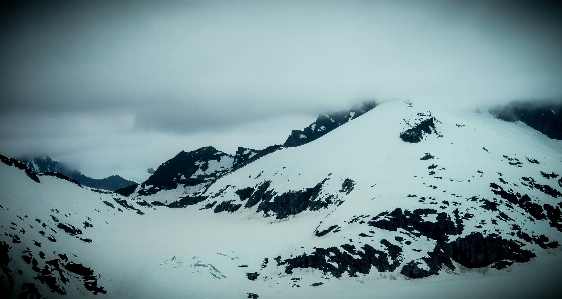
x,y
132,83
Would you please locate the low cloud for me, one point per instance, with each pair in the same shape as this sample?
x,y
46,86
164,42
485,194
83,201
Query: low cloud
x,y
76,74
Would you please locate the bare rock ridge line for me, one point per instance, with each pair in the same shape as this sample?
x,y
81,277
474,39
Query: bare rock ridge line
x,y
48,166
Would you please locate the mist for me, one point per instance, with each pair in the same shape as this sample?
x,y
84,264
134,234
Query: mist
x,y
117,87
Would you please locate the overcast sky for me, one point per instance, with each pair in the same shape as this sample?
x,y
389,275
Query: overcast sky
x,y
116,87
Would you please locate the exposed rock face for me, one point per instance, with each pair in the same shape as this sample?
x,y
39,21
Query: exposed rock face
x,y
6,276
188,169
245,156
294,202
476,250
13,162
543,116
326,123
346,261
416,133
126,191
414,222
199,167
267,200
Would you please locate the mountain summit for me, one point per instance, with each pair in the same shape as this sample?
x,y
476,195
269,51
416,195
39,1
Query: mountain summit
x,y
400,193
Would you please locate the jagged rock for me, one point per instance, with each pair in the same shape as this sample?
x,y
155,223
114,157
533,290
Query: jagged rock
x,y
326,123
324,259
13,162
415,134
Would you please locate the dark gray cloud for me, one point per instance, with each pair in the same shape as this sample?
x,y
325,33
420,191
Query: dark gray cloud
x,y
84,71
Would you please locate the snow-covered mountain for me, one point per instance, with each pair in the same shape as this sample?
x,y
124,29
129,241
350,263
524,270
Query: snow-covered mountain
x,y
48,165
399,202
202,167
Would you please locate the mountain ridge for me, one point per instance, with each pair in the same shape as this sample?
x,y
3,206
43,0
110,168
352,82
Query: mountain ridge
x,y
48,165
359,207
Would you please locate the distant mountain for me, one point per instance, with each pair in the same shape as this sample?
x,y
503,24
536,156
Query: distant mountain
x,y
543,116
46,165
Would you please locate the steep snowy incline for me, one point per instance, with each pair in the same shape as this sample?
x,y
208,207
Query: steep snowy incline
x,y
470,192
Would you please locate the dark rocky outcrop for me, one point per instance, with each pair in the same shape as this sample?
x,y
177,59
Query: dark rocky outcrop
x,y
55,274
52,275
552,175
126,205
244,193
477,250
181,169
546,189
245,156
13,162
186,201
415,134
326,231
252,275
543,116
427,156
523,201
87,275
345,259
261,194
6,276
294,202
472,251
29,290
326,123
280,205
347,186
227,206
69,229
413,222
554,215
126,191
435,260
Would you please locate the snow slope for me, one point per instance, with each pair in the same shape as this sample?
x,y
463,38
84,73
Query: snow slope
x,y
469,207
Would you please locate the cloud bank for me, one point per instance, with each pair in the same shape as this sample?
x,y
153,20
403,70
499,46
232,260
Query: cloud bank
x,y
88,73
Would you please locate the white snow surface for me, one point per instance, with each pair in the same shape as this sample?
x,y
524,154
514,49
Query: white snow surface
x,y
194,253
